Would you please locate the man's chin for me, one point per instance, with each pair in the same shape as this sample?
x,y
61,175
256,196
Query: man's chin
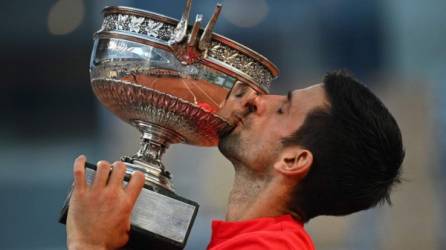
x,y
229,143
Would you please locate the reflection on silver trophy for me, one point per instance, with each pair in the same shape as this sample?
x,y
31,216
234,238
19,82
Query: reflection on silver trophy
x,y
169,79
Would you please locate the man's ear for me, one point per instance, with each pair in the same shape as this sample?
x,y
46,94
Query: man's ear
x,y
294,161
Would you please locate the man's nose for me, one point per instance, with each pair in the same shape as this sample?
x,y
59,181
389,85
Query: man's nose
x,y
256,104
249,97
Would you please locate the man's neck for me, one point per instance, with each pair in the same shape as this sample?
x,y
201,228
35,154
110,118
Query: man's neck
x,y
256,195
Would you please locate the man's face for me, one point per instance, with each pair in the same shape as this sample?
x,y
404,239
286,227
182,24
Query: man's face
x,y
262,121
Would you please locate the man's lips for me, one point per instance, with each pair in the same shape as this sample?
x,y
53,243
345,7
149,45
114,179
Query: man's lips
x,y
235,121
238,120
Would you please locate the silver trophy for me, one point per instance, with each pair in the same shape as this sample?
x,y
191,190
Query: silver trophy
x,y
168,79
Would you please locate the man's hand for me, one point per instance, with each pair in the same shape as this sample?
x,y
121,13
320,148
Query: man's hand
x,y
99,214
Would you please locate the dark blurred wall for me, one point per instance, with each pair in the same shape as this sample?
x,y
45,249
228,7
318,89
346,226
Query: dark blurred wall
x,y
45,84
352,35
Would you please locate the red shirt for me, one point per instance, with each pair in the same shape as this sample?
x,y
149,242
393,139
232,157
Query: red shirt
x,y
275,233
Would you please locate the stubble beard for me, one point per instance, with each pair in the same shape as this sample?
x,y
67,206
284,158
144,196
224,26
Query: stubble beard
x,y
230,146
234,146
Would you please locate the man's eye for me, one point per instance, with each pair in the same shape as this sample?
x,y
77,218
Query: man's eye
x,y
240,94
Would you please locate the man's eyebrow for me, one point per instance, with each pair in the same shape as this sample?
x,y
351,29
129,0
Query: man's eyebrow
x,y
243,85
240,85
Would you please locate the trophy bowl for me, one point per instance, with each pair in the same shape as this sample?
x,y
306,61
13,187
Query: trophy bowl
x,y
169,79
146,86
167,101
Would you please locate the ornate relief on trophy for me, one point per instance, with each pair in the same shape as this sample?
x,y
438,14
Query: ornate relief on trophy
x,y
168,78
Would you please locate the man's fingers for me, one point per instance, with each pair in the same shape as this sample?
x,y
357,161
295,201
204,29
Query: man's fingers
x,y
135,185
79,173
117,176
102,173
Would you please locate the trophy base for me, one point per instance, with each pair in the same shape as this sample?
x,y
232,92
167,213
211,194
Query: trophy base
x,y
160,220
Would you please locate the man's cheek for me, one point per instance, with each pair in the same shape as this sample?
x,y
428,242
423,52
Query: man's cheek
x,y
226,113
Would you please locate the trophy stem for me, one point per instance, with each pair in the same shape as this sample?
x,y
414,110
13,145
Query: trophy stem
x,y
154,142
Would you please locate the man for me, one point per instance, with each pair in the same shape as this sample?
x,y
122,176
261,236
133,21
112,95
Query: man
x,y
329,149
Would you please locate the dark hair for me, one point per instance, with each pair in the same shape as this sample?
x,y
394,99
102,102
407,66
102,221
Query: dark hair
x,y
357,151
